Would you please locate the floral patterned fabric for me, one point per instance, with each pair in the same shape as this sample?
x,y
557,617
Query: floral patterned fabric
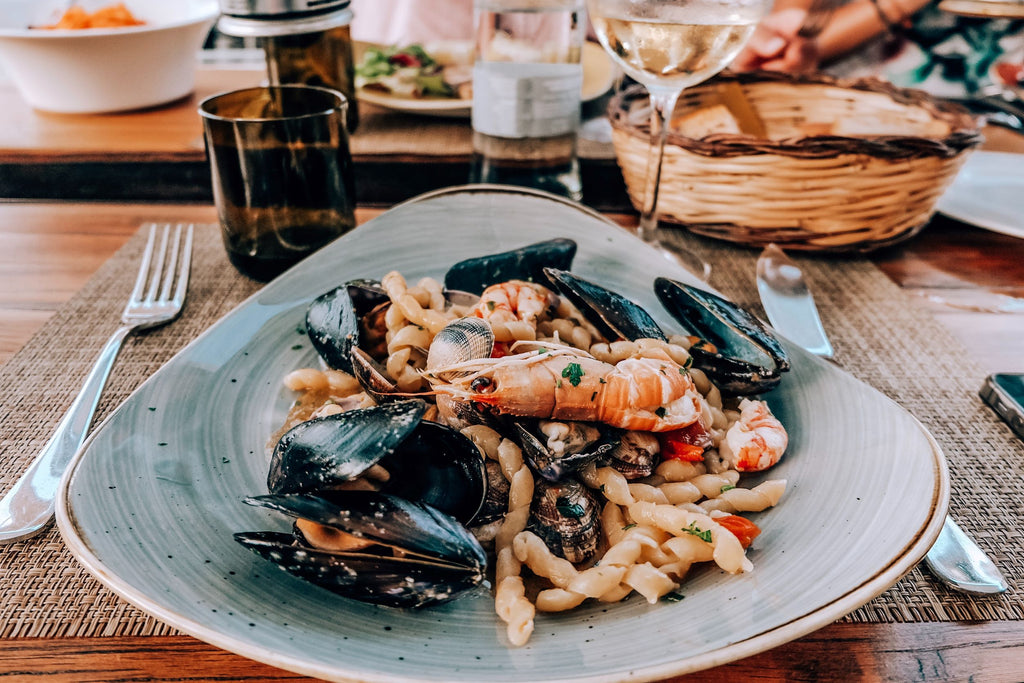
x,y
943,53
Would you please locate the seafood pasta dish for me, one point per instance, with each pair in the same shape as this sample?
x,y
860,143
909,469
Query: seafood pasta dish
x,y
519,429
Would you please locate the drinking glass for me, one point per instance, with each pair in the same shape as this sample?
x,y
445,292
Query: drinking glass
x,y
670,45
281,173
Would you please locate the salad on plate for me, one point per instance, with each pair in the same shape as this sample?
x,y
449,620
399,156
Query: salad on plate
x,y
413,71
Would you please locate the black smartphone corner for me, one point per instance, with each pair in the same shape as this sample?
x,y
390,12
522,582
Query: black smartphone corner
x,y
1004,391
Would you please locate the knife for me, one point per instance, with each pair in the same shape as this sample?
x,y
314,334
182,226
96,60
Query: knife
x,y
954,558
788,302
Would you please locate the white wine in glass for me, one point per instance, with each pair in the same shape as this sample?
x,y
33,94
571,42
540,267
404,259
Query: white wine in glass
x,y
669,45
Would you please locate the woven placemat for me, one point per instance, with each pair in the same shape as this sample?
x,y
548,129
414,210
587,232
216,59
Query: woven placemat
x,y
880,336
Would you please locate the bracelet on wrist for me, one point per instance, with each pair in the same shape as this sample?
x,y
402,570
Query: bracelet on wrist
x,y
890,25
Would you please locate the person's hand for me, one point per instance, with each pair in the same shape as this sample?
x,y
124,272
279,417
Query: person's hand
x,y
775,45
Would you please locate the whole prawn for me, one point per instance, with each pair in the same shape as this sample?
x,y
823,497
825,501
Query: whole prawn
x,y
756,441
562,383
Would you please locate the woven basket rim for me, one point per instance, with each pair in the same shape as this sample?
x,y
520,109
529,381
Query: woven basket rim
x,y
964,128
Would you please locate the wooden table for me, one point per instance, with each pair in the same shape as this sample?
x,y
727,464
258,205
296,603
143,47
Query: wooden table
x,y
157,154
48,249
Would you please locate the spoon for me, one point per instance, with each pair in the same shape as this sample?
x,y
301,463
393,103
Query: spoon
x,y
954,558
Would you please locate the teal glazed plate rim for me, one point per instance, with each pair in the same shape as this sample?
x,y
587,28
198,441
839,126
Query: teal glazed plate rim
x,y
151,502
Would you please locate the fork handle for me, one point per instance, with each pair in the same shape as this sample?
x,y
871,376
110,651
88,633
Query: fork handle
x,y
27,509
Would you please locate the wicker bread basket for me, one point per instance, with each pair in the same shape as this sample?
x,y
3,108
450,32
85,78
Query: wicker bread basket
x,y
853,191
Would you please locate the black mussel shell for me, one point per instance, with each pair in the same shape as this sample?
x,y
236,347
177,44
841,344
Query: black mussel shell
x,y
554,466
321,453
745,359
373,377
526,263
332,320
389,581
428,462
566,517
437,557
615,316
440,467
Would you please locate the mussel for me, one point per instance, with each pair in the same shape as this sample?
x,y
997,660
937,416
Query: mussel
x,y
423,461
371,546
740,355
615,316
737,352
525,263
334,318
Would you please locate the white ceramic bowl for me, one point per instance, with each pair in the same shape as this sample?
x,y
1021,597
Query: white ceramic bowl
x,y
103,70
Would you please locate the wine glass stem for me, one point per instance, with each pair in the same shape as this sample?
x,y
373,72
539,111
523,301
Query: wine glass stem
x,y
663,103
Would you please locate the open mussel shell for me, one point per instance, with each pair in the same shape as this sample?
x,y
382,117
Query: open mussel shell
x,y
373,377
440,467
333,318
525,263
323,452
427,462
554,466
615,316
744,357
417,555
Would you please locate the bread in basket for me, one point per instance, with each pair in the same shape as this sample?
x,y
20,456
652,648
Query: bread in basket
x,y
808,162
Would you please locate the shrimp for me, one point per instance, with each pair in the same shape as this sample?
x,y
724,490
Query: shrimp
x,y
756,441
515,304
563,383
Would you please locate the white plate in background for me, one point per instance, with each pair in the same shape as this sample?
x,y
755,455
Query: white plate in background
x,y
988,192
598,77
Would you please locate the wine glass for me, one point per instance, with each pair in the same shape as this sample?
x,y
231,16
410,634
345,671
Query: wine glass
x,y
669,45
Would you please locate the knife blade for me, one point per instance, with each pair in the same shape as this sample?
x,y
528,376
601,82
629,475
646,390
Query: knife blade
x,y
788,302
954,558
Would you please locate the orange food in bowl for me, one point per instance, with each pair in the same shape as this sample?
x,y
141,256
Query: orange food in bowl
x,y
113,16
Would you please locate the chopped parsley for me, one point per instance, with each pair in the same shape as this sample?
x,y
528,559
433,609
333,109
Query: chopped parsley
x,y
574,373
726,487
702,534
629,526
491,305
674,596
660,411
568,508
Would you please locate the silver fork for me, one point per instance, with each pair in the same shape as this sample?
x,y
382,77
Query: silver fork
x,y
157,299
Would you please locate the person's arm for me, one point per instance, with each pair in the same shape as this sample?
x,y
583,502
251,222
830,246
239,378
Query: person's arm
x,y
857,22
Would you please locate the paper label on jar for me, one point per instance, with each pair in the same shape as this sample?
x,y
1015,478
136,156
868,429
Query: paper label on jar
x,y
512,100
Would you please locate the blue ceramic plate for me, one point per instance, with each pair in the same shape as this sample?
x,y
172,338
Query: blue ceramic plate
x,y
151,502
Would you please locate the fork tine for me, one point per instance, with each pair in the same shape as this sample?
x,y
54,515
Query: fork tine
x,y
184,268
171,268
158,266
147,257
